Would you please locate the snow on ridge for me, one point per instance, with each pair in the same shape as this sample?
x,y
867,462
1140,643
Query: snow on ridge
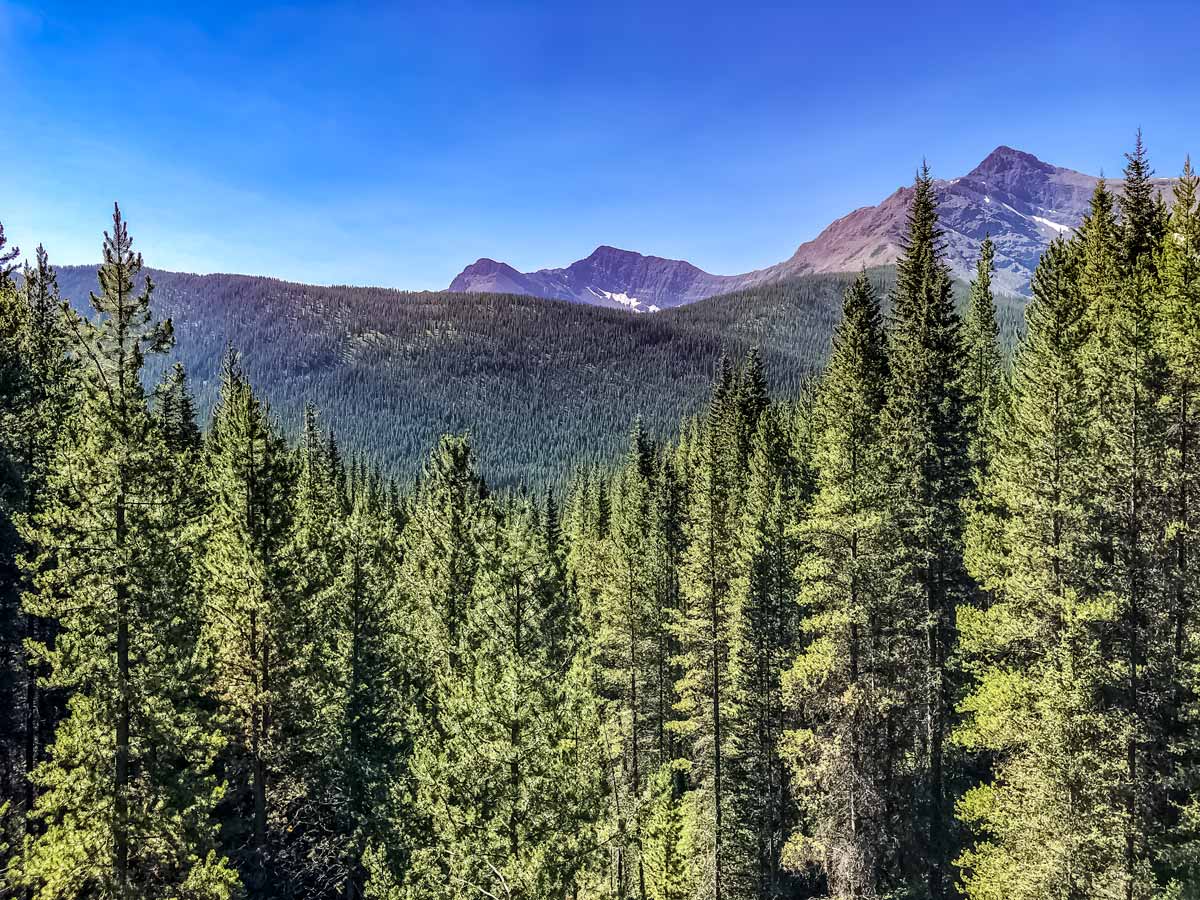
x,y
1061,229
623,299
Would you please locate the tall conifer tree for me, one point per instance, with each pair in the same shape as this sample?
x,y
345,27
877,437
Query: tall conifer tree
x,y
127,794
927,432
983,375
1050,821
852,759
250,486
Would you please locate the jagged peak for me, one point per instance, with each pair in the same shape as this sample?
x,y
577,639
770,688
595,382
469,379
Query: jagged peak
x,y
1005,158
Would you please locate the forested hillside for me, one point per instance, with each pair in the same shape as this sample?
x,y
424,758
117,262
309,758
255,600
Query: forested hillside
x,y
928,631
542,385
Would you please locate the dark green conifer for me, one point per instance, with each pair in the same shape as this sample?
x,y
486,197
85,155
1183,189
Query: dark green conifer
x,y
127,795
852,759
927,434
984,370
248,616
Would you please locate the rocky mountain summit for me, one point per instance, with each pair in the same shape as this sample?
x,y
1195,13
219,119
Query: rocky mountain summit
x,y
1021,201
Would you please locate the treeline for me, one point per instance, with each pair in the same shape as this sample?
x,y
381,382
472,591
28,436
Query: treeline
x,y
928,631
542,386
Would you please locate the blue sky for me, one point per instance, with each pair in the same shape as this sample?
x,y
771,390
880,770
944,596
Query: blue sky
x,y
393,144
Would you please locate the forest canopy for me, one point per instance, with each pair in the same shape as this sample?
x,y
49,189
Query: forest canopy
x,y
921,626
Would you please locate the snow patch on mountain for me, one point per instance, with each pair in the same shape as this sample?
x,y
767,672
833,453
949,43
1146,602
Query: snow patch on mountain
x,y
1055,226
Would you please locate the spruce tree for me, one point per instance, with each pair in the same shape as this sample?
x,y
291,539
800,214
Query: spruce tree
x,y
247,585
983,374
668,850
510,786
127,795
440,548
176,411
361,729
1126,382
851,761
764,630
704,630
927,432
1142,216
1179,268
1050,821
37,395
625,645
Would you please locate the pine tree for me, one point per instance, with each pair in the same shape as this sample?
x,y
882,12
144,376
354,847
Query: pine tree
x,y
1126,380
983,383
625,645
763,641
440,561
250,486
37,393
668,851
1179,268
15,719
310,622
361,728
509,787
127,795
927,433
1142,216
1050,821
704,630
176,411
852,759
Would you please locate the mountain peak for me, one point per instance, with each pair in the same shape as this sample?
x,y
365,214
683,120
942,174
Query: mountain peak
x,y
1021,201
1005,159
608,255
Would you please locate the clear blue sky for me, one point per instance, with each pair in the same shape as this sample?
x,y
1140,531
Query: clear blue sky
x,y
392,145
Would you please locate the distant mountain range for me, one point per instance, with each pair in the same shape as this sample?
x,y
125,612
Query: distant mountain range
x,y
1022,202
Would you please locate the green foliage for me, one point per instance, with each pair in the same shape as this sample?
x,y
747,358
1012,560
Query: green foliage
x,y
127,791
543,386
769,653
852,759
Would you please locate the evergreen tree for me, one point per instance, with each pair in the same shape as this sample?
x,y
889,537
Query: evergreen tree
x,y
310,624
361,735
250,486
1126,382
927,432
1050,821
763,630
1143,219
37,392
625,645
668,850
852,759
1179,268
510,787
127,794
704,630
440,551
176,411
983,375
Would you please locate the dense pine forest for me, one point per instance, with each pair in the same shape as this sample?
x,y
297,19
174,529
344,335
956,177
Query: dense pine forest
x,y
543,386
923,628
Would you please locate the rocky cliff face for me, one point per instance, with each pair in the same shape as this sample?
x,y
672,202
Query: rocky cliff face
x,y
1022,202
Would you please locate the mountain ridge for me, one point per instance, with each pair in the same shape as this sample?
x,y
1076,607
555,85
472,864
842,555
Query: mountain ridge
x,y
1021,201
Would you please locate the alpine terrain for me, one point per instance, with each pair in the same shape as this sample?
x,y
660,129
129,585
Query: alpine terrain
x,y
1021,201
